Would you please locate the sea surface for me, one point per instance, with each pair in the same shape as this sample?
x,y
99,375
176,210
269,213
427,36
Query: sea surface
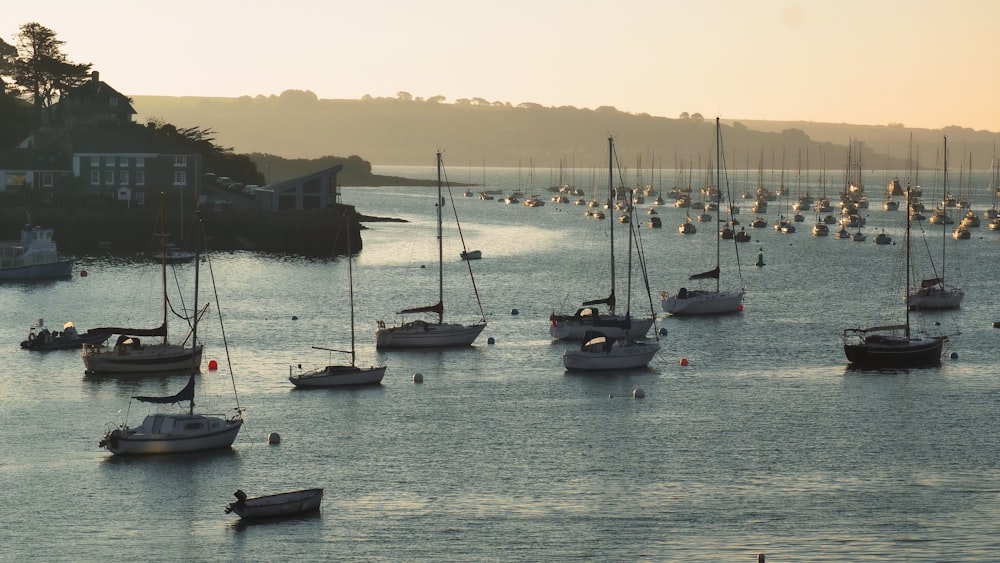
x,y
753,437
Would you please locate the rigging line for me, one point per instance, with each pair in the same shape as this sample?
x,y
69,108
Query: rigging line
x,y
215,293
461,237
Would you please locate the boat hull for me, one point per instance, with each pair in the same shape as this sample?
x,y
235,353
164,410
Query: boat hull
x,y
63,343
609,354
339,376
149,358
278,505
187,433
941,299
898,352
51,270
704,303
419,334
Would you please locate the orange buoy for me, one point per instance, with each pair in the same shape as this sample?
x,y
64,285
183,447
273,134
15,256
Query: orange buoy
x,y
213,365
684,361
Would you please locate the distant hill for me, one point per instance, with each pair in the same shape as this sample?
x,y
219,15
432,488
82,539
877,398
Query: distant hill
x,y
391,131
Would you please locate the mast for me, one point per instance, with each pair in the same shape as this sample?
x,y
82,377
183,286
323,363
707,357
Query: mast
x,y
440,246
611,229
163,258
194,324
718,198
944,223
350,282
906,290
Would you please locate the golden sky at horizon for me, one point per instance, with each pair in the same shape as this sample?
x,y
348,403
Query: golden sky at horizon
x,y
918,62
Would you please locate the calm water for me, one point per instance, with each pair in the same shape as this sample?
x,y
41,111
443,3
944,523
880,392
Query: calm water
x,y
763,443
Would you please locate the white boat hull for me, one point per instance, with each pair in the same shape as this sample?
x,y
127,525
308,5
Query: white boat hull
x,y
426,335
338,376
149,358
576,329
51,270
622,355
704,303
173,433
940,299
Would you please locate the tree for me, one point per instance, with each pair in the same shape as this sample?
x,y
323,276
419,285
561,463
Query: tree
x,y
404,96
42,70
8,54
684,115
697,117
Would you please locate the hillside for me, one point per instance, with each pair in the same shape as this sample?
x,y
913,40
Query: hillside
x,y
407,132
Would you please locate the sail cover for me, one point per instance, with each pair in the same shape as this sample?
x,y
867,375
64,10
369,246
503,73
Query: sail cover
x,y
185,394
158,331
437,308
711,274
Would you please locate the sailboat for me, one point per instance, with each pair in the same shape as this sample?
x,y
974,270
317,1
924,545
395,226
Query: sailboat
x,y
707,302
589,317
893,346
176,432
933,292
601,351
334,375
419,333
131,355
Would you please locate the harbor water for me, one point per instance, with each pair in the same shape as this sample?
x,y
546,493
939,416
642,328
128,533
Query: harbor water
x,y
753,437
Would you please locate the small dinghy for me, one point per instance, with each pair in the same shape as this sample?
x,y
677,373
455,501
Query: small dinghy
x,y
272,506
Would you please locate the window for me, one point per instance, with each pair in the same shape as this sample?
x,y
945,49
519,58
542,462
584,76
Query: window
x,y
109,160
95,177
113,101
180,178
95,162
123,162
140,161
140,198
140,178
47,180
109,178
123,177
180,161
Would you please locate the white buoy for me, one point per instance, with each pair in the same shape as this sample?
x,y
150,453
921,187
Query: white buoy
x,y
638,393
418,377
273,438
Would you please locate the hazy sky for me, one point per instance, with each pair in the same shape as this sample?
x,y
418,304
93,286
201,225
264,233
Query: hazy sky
x,y
922,63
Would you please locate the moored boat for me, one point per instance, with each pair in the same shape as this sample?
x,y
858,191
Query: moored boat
x,y
276,505
33,257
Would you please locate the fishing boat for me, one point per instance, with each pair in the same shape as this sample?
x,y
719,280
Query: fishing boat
x,y
340,375
130,355
277,505
893,346
707,301
33,257
41,339
420,333
589,317
601,352
933,292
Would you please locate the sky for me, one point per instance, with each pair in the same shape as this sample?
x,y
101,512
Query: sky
x,y
920,63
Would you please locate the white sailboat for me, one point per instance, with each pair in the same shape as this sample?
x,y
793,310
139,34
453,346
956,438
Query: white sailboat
x,y
422,334
601,351
707,301
131,355
933,292
589,317
340,375
176,432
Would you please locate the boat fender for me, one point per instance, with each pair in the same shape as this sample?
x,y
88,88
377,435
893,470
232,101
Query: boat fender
x,y
31,336
664,295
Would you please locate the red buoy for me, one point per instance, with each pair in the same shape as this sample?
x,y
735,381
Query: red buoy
x,y
213,365
83,273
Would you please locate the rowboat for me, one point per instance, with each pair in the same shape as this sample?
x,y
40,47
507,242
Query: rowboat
x,y
271,506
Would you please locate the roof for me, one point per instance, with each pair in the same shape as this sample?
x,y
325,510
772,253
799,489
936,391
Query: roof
x,y
126,140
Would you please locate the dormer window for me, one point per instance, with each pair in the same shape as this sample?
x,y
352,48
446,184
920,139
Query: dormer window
x,y
113,101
